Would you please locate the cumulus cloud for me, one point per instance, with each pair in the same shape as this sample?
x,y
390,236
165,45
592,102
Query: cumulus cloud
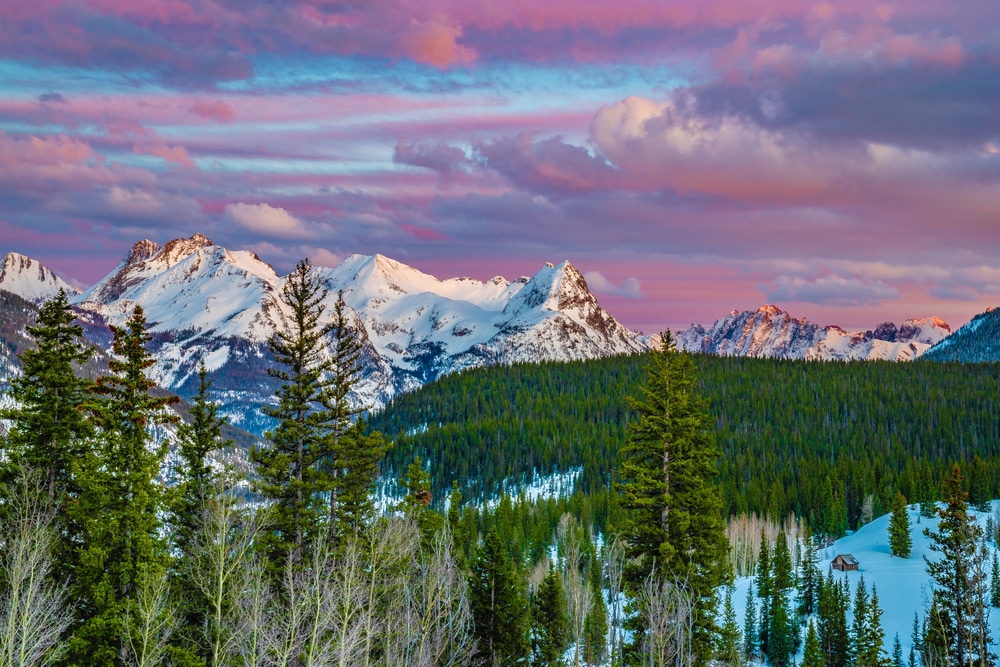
x,y
629,288
828,290
267,220
439,157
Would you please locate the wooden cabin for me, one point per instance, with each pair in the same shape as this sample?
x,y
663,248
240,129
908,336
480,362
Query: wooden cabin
x,y
845,563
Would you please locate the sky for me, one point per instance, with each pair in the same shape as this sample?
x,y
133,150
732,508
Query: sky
x,y
840,160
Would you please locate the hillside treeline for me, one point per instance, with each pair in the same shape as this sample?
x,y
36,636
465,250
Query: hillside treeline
x,y
816,439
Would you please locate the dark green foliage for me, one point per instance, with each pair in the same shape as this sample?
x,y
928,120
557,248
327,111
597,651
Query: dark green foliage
x,y
995,581
846,430
319,469
498,604
729,651
781,631
120,502
49,423
958,592
595,626
765,589
196,478
813,656
751,636
809,578
832,620
550,638
49,426
674,524
870,636
416,502
900,542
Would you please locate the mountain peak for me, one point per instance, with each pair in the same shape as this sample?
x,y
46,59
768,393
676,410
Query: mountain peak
x,y
30,279
141,251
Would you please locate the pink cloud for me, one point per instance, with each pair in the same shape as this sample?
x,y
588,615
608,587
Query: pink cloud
x,y
214,110
436,43
423,233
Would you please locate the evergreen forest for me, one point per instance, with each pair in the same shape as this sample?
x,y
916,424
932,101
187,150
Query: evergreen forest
x,y
814,439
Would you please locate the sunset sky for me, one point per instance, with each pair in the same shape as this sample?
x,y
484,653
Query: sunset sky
x,y
839,160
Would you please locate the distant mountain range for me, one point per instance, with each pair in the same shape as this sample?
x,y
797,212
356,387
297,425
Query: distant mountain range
x,y
204,302
771,332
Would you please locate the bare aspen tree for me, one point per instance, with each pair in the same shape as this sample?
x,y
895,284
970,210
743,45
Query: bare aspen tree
x,y
149,622
349,611
614,564
576,588
222,547
32,615
392,544
438,621
255,606
667,610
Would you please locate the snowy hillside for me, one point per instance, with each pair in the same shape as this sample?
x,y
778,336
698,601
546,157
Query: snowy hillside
x,y
903,585
771,332
977,341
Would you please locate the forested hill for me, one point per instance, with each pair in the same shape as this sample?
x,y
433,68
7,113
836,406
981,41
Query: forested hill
x,y
810,437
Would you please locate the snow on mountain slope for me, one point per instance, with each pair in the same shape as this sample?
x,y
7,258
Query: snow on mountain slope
x,y
30,279
771,332
977,341
203,302
903,585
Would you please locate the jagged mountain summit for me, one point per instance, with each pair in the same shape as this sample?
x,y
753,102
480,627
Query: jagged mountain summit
x,y
30,279
771,332
204,302
976,341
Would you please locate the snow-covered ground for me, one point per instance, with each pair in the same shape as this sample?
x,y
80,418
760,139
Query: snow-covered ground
x,y
903,585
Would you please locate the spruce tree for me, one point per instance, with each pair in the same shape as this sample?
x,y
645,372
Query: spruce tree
x,y
551,636
813,656
809,578
832,622
595,627
765,589
120,502
674,519
197,486
857,639
498,605
959,593
729,651
751,636
319,469
197,479
994,581
897,653
48,423
869,643
49,427
416,502
900,542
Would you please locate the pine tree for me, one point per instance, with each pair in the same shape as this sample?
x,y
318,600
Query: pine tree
x,y
48,423
832,613
857,639
498,606
959,594
197,485
595,630
49,428
781,638
916,641
869,643
994,581
668,465
809,578
751,636
765,589
416,502
120,502
729,651
900,542
319,470
197,478
897,653
551,636
813,656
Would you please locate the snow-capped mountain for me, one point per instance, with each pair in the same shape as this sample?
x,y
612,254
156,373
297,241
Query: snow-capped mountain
x,y
771,332
30,279
976,341
204,302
